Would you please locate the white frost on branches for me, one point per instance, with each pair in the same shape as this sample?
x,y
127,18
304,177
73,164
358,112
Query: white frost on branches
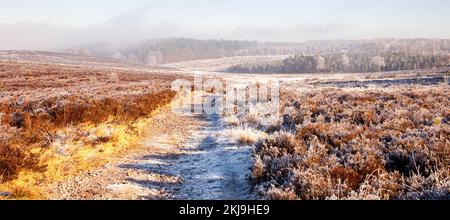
x,y
320,65
377,62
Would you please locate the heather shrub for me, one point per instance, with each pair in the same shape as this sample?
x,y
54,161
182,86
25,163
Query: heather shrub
x,y
37,100
366,144
13,159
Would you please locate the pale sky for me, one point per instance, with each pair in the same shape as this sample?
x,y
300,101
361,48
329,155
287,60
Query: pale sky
x,y
52,24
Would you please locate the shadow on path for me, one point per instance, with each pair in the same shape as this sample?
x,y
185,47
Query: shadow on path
x,y
205,167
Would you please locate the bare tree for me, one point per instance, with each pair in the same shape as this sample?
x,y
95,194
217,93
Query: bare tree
x,y
377,63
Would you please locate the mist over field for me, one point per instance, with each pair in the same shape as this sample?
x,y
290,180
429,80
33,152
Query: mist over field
x,y
53,25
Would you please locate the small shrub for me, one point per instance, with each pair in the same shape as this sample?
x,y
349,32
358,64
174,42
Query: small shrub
x,y
258,169
246,135
12,160
232,120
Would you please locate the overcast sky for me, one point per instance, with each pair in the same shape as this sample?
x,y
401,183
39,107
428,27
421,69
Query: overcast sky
x,y
54,24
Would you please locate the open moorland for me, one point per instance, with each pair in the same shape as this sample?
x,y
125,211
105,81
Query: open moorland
x,y
102,129
56,118
353,143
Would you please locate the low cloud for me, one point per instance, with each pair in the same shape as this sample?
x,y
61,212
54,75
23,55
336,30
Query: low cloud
x,y
47,37
296,33
145,23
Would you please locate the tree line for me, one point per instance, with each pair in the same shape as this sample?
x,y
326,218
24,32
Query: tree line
x,y
172,50
354,62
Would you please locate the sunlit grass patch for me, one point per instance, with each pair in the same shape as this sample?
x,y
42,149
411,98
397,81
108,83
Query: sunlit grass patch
x,y
231,120
246,135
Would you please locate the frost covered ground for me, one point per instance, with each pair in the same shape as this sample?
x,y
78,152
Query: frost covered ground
x,y
339,136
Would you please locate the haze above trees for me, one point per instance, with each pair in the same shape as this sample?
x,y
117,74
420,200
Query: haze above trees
x,y
312,56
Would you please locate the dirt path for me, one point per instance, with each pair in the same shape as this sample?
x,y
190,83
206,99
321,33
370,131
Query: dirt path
x,y
187,157
212,169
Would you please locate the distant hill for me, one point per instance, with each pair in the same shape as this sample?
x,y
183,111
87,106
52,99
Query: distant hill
x,y
46,57
163,51
174,50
